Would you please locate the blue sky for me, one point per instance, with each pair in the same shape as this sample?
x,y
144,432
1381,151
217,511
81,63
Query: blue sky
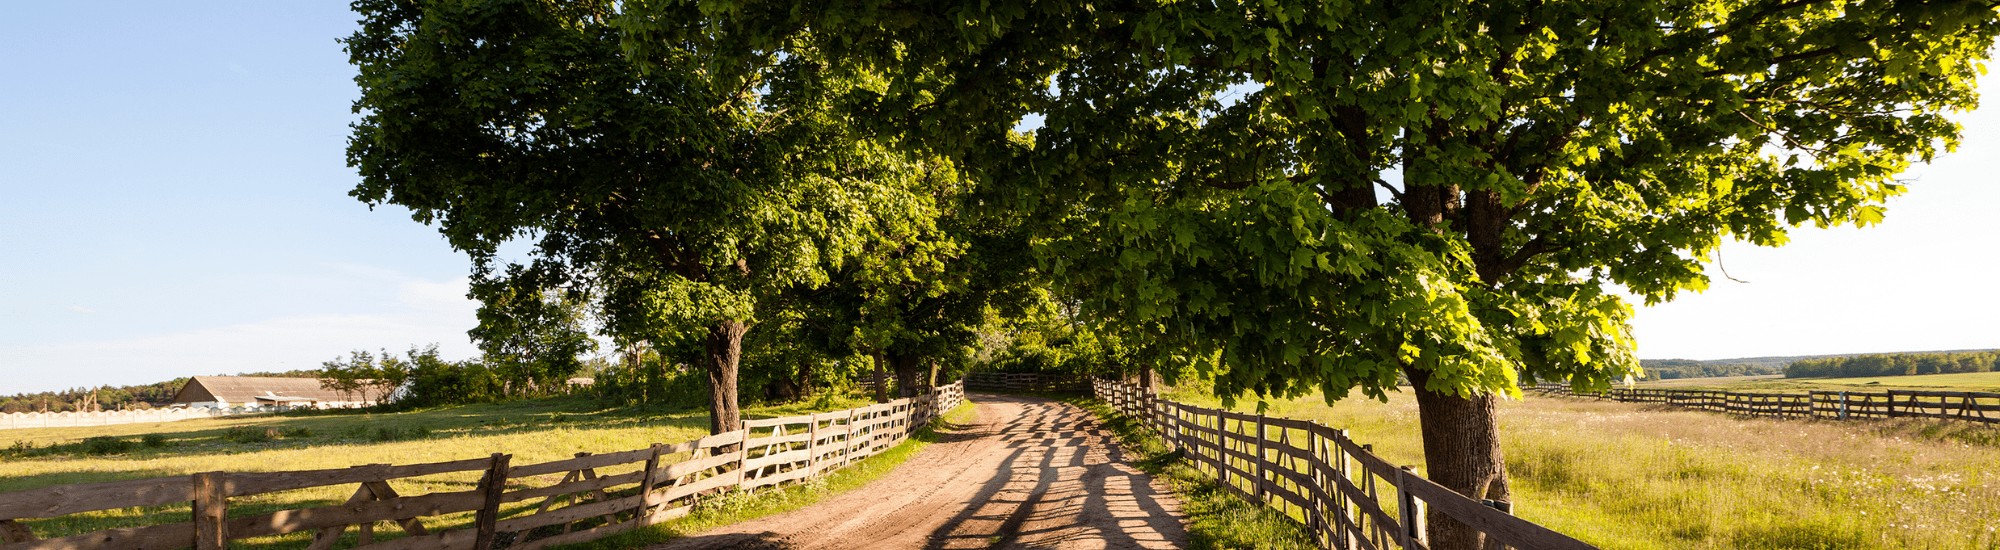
x,y
176,204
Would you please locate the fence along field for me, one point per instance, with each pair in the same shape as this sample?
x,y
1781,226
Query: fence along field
x,y
1836,405
1320,478
508,509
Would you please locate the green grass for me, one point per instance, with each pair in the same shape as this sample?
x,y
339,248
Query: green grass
x,y
1633,476
533,431
740,506
1215,518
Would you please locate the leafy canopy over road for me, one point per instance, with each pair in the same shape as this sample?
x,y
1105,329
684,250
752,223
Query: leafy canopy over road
x,y
1441,190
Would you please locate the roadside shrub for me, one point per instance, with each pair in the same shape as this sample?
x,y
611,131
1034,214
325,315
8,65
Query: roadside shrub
x,y
298,432
153,440
106,445
246,435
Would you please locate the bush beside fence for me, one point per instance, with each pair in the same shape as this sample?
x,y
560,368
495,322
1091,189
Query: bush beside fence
x,y
1344,495
1836,405
766,452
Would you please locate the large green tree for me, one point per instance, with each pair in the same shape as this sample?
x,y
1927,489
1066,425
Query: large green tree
x,y
677,192
1329,195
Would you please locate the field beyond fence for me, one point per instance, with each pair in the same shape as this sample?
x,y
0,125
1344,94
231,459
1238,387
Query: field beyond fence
x,y
1345,495
73,419
500,505
1835,405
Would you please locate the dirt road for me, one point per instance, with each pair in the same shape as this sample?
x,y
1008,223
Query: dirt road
x,y
1025,473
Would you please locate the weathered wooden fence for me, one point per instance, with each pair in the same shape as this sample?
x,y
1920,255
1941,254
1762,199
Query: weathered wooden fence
x,y
1837,405
1346,496
1002,381
513,506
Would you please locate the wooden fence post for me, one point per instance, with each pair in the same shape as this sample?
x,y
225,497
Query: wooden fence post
x,y
489,513
1413,521
847,443
812,446
211,511
1258,489
1316,508
1843,405
646,485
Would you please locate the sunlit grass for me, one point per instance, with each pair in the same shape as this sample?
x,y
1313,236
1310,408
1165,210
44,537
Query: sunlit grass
x,y
1621,475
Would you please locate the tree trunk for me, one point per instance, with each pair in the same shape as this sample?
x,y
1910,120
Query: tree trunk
x,y
1146,380
881,380
724,349
1462,453
804,381
906,374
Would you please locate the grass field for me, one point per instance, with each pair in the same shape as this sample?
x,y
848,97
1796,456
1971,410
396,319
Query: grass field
x,y
1972,381
533,431
1630,476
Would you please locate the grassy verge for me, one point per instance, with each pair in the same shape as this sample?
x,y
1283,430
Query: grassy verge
x,y
735,507
1634,476
1216,518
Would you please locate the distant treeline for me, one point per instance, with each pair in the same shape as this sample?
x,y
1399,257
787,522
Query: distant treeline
x,y
1668,369
421,378
113,398
1894,364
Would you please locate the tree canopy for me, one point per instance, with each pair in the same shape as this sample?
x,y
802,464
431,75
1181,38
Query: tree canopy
x,y
1445,191
676,193
1292,195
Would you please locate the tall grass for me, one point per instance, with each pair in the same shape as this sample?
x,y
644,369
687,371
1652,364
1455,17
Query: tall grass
x,y
1633,476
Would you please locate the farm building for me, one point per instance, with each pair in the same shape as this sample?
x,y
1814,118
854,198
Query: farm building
x,y
257,391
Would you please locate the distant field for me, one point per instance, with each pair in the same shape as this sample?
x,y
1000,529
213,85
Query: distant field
x,y
1703,381
1987,381
533,431
1627,476
1974,381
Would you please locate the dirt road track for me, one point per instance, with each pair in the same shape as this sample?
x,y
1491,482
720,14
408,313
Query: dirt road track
x,y
1025,473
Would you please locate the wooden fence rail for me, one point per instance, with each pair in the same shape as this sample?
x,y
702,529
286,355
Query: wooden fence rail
x,y
583,505
1835,405
1346,497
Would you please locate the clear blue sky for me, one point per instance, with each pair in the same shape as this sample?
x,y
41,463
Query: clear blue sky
x,y
176,204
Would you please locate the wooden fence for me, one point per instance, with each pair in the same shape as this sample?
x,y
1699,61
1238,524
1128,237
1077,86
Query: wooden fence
x,y
1835,405
513,506
1001,381
1347,497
